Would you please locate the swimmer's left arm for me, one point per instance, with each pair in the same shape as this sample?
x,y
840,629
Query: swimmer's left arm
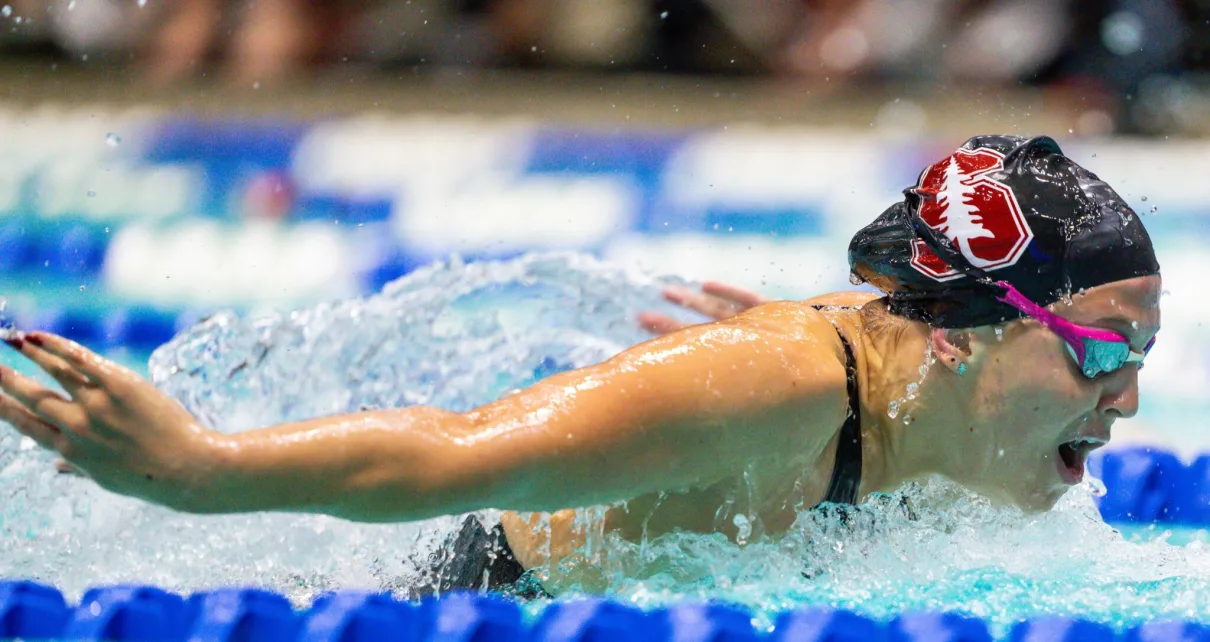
x,y
673,413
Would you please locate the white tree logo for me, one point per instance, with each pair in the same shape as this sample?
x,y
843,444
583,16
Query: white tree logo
x,y
963,202
960,219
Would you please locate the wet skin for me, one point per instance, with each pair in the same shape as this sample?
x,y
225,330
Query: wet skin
x,y
760,394
1024,398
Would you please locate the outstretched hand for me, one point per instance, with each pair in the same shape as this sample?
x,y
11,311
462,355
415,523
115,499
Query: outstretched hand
x,y
112,425
716,300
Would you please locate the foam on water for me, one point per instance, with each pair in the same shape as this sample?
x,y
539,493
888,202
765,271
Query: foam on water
x,y
950,550
457,335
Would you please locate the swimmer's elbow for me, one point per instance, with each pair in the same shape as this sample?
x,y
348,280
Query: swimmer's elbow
x,y
421,465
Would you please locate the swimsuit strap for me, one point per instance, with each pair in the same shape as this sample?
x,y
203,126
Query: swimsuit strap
x,y
846,471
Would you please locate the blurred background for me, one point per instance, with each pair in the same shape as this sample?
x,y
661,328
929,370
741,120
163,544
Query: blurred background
x,y
164,159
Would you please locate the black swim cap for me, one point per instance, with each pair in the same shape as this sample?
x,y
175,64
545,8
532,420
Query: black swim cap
x,y
1000,208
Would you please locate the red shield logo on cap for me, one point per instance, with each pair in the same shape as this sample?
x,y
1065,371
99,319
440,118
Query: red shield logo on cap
x,y
978,214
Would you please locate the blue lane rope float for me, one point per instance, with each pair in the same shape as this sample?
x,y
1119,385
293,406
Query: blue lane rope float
x,y
29,610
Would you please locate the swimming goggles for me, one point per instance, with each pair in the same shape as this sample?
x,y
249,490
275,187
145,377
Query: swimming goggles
x,y
1096,351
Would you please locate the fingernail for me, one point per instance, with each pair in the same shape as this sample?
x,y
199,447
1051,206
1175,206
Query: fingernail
x,y
34,339
15,342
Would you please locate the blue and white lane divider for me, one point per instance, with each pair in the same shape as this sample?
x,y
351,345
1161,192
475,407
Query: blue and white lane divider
x,y
149,614
136,328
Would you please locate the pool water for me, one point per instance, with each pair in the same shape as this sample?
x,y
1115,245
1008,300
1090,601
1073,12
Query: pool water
x,y
456,335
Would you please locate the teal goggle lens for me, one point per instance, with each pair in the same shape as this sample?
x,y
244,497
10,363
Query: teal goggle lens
x,y
1104,357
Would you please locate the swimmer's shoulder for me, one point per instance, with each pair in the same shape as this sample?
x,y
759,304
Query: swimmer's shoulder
x,y
814,324
816,317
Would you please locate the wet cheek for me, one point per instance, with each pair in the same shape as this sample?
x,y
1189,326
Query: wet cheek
x,y
1047,387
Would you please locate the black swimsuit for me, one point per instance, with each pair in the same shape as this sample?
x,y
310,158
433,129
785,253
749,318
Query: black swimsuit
x,y
846,471
479,559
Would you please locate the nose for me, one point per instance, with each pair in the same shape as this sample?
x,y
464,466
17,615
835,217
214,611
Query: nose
x,y
1120,394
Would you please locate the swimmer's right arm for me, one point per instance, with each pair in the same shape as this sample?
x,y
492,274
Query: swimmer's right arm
x,y
682,410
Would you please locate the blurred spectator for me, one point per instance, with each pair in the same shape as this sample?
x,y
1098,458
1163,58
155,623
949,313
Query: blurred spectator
x,y
1133,61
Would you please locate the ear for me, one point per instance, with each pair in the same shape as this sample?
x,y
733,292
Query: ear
x,y
952,347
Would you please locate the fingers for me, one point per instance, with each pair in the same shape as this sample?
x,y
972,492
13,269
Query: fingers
x,y
659,323
716,300
69,377
45,404
92,366
44,434
739,296
708,304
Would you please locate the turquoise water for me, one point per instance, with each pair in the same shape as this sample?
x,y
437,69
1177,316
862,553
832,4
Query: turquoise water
x,y
457,335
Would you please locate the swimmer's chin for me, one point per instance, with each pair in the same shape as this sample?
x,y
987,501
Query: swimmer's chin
x,y
1042,502
1028,502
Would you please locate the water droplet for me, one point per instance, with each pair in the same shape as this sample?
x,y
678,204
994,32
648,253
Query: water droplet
x,y
1144,199
854,279
999,334
71,5
1129,242
1096,486
923,370
892,409
92,193
1154,209
912,389
83,287
1134,324
107,229
907,419
745,529
112,139
664,15
6,11
1000,453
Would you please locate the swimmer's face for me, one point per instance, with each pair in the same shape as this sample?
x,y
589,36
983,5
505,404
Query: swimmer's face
x,y
1042,416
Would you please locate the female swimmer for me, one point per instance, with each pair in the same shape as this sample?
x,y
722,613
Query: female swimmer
x,y
1029,281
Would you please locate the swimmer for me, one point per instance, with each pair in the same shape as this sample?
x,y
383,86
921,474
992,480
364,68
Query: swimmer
x,y
1020,295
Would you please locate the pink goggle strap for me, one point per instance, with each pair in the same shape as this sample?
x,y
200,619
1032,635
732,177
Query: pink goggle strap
x,y
1071,333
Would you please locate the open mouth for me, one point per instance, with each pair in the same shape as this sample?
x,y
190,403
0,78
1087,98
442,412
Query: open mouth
x,y
1072,456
